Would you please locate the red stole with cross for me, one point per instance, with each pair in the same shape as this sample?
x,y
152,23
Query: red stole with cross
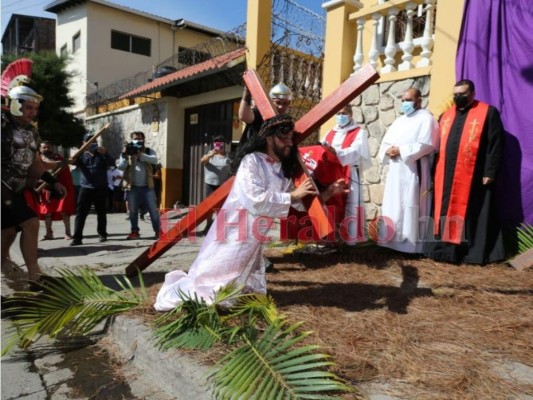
x,y
464,170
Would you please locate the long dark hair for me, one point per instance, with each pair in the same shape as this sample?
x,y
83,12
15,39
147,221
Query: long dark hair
x,y
279,124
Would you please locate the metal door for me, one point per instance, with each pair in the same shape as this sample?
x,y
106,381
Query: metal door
x,y
201,124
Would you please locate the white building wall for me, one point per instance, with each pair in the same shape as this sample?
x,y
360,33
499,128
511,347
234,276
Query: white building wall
x,y
69,23
97,62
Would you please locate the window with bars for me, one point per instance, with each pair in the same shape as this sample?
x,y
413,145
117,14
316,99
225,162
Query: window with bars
x,y
131,43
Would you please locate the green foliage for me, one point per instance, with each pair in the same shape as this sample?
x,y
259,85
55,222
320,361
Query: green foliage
x,y
266,361
525,237
51,79
272,367
71,305
265,356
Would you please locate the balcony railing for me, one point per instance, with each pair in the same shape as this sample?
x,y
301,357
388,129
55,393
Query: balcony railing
x,y
402,35
301,72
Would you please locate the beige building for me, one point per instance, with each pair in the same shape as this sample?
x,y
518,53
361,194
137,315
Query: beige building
x,y
109,42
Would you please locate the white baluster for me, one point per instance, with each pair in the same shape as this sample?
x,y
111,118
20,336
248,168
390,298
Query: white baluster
x,y
272,68
301,80
359,56
390,50
407,45
308,88
373,54
427,39
316,86
282,66
290,79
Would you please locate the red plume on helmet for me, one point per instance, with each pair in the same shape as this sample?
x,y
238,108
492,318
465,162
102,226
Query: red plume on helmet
x,y
16,74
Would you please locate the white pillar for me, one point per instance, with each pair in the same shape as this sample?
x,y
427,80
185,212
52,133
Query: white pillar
x,y
407,45
427,39
390,49
373,54
359,56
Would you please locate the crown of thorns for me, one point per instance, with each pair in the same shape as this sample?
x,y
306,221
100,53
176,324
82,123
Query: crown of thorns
x,y
280,124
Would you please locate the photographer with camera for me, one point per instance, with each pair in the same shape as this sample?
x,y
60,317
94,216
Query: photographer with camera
x,y
216,170
93,164
138,163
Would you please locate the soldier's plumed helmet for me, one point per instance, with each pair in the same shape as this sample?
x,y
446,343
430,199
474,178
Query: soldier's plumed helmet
x,y
19,95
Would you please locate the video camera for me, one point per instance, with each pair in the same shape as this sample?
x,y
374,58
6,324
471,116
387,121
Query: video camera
x,y
133,148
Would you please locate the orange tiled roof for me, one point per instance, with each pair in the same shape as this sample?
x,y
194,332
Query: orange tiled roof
x,y
212,65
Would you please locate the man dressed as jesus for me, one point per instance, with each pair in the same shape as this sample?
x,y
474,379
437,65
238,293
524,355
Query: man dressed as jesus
x,y
263,190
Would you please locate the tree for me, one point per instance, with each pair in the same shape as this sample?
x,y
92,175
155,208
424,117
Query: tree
x,y
51,80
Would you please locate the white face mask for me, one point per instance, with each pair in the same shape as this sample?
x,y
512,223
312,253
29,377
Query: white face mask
x,y
342,119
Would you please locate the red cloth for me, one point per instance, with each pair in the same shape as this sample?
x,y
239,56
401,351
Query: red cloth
x,y
43,203
326,169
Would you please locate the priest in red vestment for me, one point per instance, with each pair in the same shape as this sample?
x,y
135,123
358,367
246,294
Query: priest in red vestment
x,y
466,225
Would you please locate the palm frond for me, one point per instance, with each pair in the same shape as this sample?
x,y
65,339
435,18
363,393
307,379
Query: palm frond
x,y
270,368
525,237
256,304
194,324
228,295
72,304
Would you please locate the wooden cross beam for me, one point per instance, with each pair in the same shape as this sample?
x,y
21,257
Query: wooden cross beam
x,y
304,127
314,205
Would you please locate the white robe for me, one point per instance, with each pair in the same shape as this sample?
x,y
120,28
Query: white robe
x,y
233,247
406,200
357,156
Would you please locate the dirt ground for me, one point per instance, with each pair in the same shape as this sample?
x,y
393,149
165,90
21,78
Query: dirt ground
x,y
410,327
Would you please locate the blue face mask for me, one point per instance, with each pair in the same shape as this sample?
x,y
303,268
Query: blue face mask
x,y
408,107
93,147
342,119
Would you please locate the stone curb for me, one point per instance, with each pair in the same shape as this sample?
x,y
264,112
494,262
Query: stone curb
x,y
173,371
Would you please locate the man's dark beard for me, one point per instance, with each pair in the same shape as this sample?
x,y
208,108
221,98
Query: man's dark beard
x,y
289,163
281,152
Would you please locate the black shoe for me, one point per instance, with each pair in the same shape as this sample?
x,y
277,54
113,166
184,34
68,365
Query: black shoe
x,y
102,239
76,242
269,265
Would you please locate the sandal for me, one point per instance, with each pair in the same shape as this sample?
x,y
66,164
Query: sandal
x,y
68,237
47,237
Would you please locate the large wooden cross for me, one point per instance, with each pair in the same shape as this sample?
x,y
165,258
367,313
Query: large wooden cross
x,y
304,127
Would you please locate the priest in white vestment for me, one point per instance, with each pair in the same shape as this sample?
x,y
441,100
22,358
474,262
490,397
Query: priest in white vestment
x,y
350,144
232,250
405,148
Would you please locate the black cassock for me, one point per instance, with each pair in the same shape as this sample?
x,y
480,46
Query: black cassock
x,y
483,239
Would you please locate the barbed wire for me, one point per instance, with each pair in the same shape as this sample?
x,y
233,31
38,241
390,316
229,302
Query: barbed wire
x,y
295,56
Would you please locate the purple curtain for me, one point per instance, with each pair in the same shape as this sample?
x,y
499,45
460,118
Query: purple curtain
x,y
496,52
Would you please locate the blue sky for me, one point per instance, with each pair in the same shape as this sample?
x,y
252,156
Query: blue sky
x,y
220,14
